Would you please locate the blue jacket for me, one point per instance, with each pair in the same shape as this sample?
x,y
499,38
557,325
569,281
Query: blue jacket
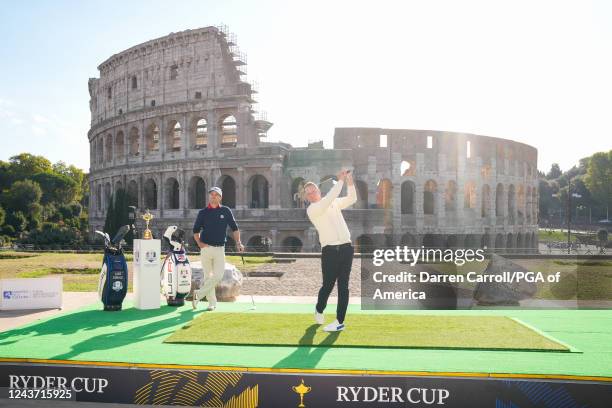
x,y
212,224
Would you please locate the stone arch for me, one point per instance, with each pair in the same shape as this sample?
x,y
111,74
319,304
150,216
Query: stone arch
x,y
108,195
499,200
520,203
152,139
534,206
118,186
197,192
172,190
469,195
257,243
408,240
485,211
108,148
407,197
174,136
150,194
364,244
100,150
429,197
485,241
430,241
528,204
452,241
510,242
119,145
499,242
297,193
228,186
134,141
258,189
132,193
450,197
292,244
520,243
362,194
228,131
384,194
527,243
200,139
511,204
470,241
99,197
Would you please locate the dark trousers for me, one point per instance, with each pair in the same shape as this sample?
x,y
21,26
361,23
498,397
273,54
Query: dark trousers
x,y
336,262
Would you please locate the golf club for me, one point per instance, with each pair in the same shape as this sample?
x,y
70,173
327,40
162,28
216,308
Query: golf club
x,y
253,305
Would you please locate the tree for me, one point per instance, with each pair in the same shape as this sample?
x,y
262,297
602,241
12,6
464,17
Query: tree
x,y
17,220
25,164
56,188
2,215
117,214
555,172
21,195
599,178
73,173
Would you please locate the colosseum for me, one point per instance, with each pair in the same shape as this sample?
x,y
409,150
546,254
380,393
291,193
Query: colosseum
x,y
175,115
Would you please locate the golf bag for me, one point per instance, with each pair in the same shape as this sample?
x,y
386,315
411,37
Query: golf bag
x,y
176,271
113,282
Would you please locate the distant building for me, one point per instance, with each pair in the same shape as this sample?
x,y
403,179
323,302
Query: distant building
x,y
173,116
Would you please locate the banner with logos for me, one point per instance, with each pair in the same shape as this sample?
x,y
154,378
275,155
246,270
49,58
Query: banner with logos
x,y
31,293
228,388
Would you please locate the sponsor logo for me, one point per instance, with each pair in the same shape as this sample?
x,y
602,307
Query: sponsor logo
x,y
117,286
427,396
222,216
150,256
301,389
16,294
76,384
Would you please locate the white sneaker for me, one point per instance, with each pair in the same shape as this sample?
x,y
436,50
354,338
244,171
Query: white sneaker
x,y
319,318
334,326
211,308
194,302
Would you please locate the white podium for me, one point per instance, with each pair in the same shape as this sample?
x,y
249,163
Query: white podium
x,y
146,273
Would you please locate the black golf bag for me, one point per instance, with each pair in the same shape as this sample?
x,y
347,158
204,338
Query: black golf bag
x,y
112,286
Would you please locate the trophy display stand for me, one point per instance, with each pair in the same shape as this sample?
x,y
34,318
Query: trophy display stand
x,y
146,269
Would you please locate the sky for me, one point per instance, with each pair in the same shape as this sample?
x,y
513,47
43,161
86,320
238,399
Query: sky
x,y
538,72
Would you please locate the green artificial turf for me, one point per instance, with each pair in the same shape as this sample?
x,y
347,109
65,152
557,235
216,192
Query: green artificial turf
x,y
379,331
136,336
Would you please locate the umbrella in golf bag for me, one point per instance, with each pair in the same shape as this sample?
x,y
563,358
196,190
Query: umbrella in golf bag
x,y
113,282
175,271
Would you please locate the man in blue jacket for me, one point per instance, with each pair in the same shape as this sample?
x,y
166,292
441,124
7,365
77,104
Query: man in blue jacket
x,y
209,232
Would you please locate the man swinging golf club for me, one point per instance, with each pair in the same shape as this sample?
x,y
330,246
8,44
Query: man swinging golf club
x,y
336,249
209,232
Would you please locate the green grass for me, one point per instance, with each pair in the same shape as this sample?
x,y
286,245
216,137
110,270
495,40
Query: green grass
x,y
80,271
549,236
15,255
380,331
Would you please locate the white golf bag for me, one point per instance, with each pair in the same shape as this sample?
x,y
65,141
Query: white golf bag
x,y
175,272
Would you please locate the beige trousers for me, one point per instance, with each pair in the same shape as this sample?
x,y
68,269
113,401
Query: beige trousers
x,y
213,267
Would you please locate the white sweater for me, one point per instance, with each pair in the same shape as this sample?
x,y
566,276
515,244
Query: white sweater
x,y
327,217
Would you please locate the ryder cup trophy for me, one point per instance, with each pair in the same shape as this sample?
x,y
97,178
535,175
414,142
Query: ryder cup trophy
x,y
147,217
146,268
